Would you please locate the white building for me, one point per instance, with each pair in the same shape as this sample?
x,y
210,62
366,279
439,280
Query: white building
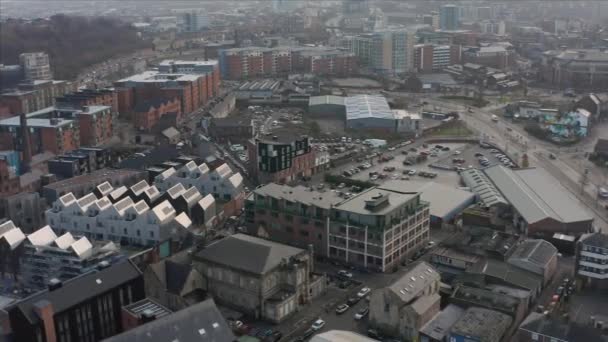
x,y
369,112
47,256
408,122
36,66
592,260
125,221
222,182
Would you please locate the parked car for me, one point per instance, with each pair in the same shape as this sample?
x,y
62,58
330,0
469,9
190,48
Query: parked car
x,y
373,334
363,292
342,309
318,325
275,337
345,274
362,313
353,300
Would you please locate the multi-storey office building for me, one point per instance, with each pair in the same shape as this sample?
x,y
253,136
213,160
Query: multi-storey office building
x,y
376,229
250,62
592,260
587,69
125,221
449,17
431,57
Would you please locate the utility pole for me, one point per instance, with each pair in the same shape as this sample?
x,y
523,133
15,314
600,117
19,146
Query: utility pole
x,y
584,179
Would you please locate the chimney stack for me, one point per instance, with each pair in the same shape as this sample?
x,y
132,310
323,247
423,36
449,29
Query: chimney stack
x,y
26,147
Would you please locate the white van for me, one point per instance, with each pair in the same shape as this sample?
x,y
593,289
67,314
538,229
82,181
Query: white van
x,y
602,192
494,118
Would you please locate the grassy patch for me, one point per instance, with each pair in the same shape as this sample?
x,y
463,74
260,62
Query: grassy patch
x,y
456,130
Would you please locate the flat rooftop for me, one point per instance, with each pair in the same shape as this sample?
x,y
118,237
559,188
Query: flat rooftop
x,y
359,204
153,76
300,194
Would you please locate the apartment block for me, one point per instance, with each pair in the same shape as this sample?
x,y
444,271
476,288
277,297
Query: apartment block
x,y
45,256
375,229
251,62
88,97
36,66
34,95
387,52
86,308
147,114
581,68
194,83
281,158
126,221
493,56
223,183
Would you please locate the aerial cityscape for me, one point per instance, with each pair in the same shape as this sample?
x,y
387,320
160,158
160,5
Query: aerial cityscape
x,y
303,170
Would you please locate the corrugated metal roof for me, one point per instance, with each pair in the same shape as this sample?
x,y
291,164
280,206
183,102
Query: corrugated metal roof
x,y
367,106
535,196
326,100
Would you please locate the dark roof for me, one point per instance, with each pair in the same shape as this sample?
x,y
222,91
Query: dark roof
x,y
151,157
565,331
144,106
200,322
176,275
247,253
538,251
79,289
507,273
596,240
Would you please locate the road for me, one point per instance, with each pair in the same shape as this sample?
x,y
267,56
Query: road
x,y
515,142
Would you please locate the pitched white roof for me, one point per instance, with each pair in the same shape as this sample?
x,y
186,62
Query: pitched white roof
x,y
367,106
82,248
64,241
163,211
42,237
206,201
236,180
13,237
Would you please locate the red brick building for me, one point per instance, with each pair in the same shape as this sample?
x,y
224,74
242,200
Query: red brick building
x,y
251,62
89,97
148,113
193,83
35,95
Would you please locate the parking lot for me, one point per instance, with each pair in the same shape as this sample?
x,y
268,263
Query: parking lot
x,y
474,156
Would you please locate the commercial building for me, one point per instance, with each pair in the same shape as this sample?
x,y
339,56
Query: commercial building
x,y
388,52
375,229
34,95
252,62
446,203
372,112
199,322
539,327
327,106
496,272
449,17
126,221
591,266
36,66
579,69
432,57
46,256
194,83
282,157
236,130
264,279
537,256
60,130
540,206
85,184
438,328
86,308
493,56
486,193
480,325
192,21
404,307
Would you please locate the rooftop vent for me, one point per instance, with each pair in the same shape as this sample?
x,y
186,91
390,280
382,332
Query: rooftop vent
x,y
54,284
376,201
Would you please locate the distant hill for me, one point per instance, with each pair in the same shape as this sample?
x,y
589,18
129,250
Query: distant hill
x,y
73,43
